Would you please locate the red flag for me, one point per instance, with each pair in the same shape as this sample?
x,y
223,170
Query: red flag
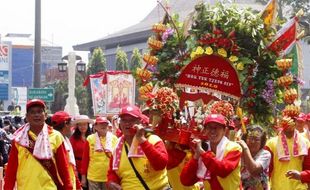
x,y
285,37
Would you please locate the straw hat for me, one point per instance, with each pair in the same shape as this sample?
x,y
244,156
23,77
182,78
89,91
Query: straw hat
x,y
82,119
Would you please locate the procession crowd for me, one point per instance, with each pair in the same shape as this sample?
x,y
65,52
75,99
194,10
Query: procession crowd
x,y
76,152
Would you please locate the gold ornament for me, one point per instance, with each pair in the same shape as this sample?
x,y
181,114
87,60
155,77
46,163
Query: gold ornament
x,y
149,59
284,64
285,80
290,95
291,111
155,44
144,90
286,122
144,74
159,28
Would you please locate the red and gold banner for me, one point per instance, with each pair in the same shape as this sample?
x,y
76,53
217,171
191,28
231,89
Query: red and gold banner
x,y
212,73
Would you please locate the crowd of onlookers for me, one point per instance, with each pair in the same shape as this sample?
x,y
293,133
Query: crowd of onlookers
x,y
8,125
122,152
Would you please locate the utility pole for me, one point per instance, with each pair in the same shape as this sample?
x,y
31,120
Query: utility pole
x,y
37,46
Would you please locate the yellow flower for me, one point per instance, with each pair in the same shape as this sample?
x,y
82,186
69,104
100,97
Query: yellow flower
x,y
222,52
240,66
199,50
209,50
233,58
193,55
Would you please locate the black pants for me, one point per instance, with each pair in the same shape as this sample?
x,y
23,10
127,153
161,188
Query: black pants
x,y
80,178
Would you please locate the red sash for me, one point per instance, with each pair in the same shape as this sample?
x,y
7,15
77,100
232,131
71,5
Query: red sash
x,y
48,165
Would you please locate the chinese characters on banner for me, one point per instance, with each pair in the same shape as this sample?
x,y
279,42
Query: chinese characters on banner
x,y
212,73
111,91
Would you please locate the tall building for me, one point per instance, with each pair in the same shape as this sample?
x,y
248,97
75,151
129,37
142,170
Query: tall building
x,y
23,57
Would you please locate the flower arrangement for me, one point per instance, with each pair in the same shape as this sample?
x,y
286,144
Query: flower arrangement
x,y
235,34
164,100
225,45
222,107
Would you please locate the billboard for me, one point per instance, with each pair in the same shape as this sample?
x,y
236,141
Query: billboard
x,y
5,60
19,97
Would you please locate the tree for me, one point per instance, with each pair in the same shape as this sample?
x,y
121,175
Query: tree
x,y
81,94
97,64
61,94
136,60
121,60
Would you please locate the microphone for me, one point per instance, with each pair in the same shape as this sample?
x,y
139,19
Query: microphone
x,y
204,145
148,130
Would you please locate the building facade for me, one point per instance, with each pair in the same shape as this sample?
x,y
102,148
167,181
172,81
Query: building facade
x,y
23,58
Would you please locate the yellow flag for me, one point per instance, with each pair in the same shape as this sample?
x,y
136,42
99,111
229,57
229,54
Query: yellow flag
x,y
269,13
240,115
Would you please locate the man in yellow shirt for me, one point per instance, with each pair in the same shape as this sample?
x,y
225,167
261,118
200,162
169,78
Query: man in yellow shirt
x,y
139,161
96,156
38,159
289,151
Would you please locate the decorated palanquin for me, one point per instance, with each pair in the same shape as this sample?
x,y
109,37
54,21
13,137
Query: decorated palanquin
x,y
230,56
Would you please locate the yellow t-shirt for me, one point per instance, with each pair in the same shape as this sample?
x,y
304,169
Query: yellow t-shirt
x,y
72,176
98,161
39,179
174,175
278,179
233,180
156,180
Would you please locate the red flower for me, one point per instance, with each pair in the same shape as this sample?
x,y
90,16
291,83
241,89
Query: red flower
x,y
217,31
